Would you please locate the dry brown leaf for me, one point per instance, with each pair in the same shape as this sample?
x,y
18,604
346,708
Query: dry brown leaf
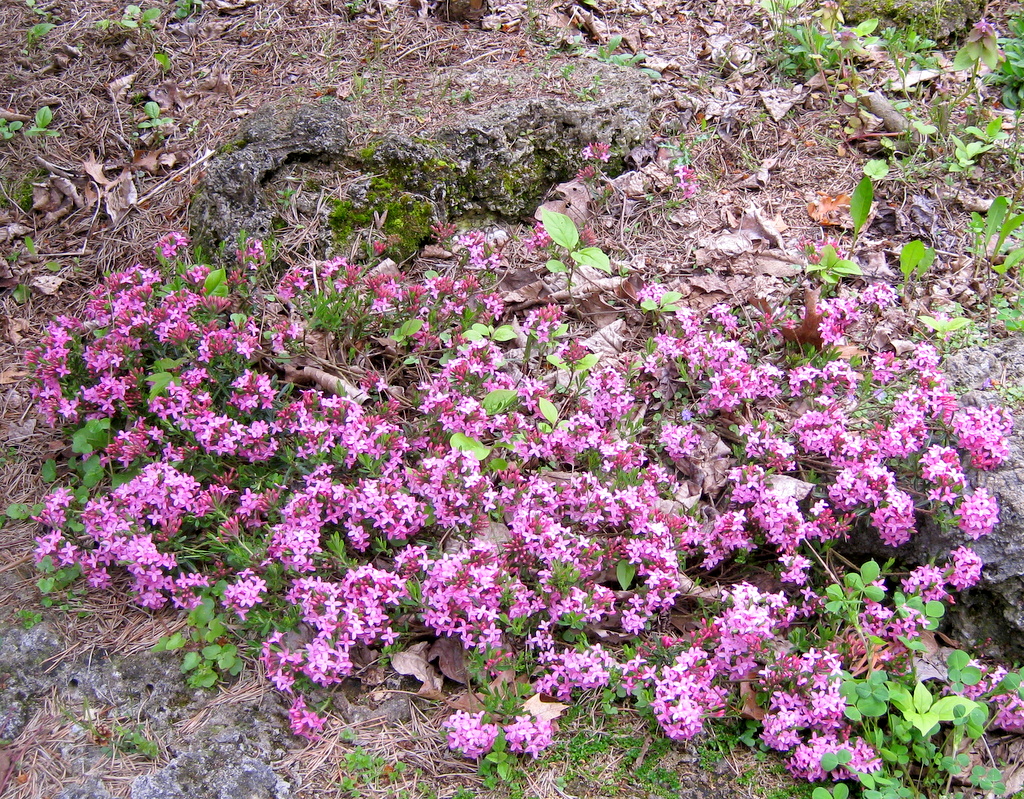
x,y
147,160
757,227
334,384
608,340
750,710
46,284
69,190
433,251
831,211
121,196
786,487
540,709
450,657
119,88
218,82
94,169
14,329
413,662
169,96
13,231
469,701
12,375
809,329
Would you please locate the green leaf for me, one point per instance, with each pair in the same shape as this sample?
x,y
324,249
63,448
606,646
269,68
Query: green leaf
x,y
547,408
876,169
994,217
471,446
624,573
44,116
504,333
870,572
93,435
556,266
190,661
410,328
49,471
159,382
934,609
214,285
922,698
499,400
163,60
561,228
592,256
860,203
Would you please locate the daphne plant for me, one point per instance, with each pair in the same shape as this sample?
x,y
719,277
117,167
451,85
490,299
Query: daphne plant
x,y
466,492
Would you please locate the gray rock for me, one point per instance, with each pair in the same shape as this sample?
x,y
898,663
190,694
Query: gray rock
x,y
498,163
146,685
23,673
939,21
211,775
92,788
260,729
233,197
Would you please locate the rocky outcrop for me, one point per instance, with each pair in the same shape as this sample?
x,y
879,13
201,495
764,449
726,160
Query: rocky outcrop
x,y
499,163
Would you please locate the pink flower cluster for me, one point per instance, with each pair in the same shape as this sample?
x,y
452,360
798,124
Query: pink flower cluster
x,y
341,523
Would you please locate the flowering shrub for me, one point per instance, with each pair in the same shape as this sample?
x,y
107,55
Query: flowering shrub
x,y
463,489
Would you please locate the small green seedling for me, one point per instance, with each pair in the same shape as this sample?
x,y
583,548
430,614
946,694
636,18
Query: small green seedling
x,y
153,120
41,124
37,33
8,130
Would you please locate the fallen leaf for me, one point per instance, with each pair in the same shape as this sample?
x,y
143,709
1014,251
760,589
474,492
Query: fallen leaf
x,y
750,710
540,709
450,656
218,82
19,432
119,88
13,231
13,375
433,251
469,701
14,328
809,329
169,96
121,196
757,227
778,102
786,487
94,169
831,211
335,384
608,340
413,662
46,284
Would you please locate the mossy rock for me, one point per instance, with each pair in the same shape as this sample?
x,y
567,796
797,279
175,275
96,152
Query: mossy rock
x,y
940,20
500,163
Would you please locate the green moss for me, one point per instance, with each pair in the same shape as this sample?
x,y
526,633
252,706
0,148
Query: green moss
x,y
405,219
22,194
231,147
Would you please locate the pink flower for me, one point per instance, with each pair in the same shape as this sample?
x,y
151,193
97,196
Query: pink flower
x,y
978,513
469,734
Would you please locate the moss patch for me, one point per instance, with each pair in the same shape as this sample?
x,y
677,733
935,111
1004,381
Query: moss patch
x,y
388,214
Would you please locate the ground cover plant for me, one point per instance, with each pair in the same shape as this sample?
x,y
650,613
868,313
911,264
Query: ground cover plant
x,y
514,496
463,489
